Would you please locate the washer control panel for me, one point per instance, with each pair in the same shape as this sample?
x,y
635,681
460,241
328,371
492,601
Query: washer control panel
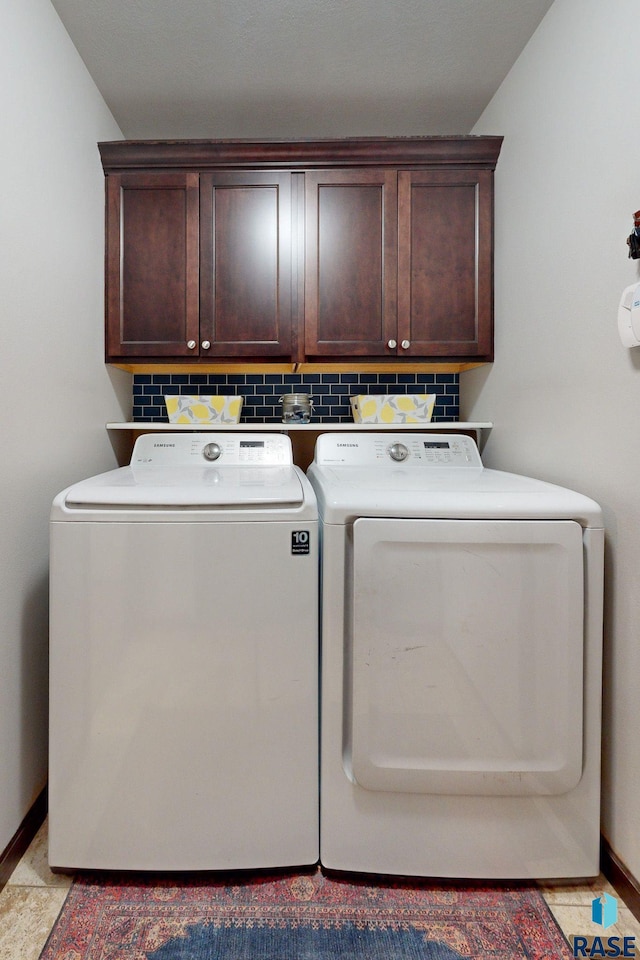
x,y
231,449
411,450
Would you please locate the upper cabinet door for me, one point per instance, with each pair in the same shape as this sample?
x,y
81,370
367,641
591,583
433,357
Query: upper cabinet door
x,y
445,263
245,264
152,265
350,262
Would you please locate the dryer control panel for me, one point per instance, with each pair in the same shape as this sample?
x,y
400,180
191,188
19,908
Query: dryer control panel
x,y
422,450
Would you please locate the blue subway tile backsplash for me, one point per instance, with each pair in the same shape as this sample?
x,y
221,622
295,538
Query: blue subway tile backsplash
x,y
262,392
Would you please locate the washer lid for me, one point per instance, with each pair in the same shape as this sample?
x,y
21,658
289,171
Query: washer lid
x,y
204,486
198,470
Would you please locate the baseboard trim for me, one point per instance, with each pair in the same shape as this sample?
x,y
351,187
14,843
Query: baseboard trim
x,y
622,879
23,836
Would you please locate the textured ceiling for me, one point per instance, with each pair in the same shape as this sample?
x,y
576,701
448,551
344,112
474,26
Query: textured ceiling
x,y
298,68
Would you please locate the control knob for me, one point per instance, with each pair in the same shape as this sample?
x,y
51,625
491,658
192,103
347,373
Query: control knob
x,y
398,452
212,451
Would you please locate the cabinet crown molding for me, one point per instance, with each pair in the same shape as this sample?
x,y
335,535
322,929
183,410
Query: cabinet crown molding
x,y
477,151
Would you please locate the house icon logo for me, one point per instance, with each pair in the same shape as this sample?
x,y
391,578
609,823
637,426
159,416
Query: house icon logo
x,y
604,910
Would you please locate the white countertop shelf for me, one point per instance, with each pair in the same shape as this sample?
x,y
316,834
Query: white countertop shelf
x,y
301,433
316,425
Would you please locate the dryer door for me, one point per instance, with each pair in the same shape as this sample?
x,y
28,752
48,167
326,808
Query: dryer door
x,y
465,675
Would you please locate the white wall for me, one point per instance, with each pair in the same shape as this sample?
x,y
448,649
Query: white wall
x,y
55,391
563,393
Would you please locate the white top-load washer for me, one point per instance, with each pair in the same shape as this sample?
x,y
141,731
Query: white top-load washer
x,y
461,663
183,706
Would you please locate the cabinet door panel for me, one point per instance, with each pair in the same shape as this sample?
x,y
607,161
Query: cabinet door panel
x,y
350,262
445,298
152,265
246,263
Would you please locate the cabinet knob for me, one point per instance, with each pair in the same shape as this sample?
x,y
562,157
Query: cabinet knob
x,y
405,344
392,344
191,344
206,344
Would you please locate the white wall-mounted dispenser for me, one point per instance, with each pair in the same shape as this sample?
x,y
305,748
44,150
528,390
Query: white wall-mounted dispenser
x,y
629,316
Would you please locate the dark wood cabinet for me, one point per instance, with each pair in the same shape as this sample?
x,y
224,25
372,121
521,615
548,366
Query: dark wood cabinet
x,y
152,265
245,264
198,266
399,263
363,249
351,249
445,263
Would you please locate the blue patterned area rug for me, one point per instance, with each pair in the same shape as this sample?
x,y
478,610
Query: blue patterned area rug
x,y
300,916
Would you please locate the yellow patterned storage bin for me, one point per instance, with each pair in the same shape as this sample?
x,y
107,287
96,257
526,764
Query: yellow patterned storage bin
x,y
216,409
393,407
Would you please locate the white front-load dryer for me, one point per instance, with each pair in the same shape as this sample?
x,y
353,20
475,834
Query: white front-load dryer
x,y
184,660
461,663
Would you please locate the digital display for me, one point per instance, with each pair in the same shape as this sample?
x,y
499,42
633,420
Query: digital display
x,y
251,443
436,445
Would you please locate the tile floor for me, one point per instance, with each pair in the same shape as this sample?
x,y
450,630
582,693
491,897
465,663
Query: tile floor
x,y
33,897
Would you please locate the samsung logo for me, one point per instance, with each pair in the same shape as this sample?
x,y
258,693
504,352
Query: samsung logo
x,y
164,444
347,445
